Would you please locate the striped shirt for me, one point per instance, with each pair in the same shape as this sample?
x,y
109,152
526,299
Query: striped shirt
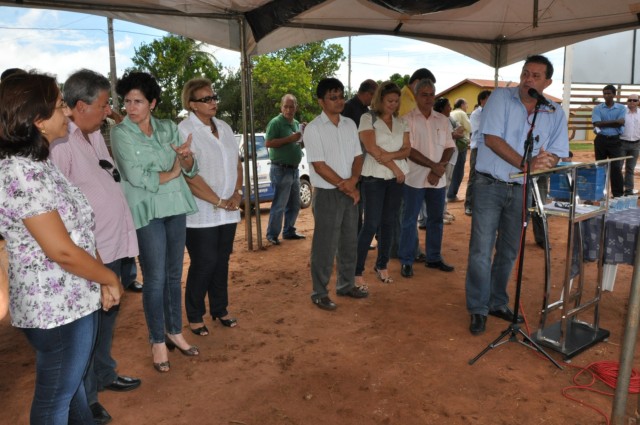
x,y
78,160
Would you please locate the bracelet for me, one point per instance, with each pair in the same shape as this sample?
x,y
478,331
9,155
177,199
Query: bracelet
x,y
219,203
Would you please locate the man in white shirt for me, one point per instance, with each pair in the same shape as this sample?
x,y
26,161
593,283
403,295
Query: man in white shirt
x,y
630,139
335,155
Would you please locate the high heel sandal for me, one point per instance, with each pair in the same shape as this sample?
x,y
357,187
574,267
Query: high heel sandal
x,y
191,351
162,367
383,279
229,323
200,331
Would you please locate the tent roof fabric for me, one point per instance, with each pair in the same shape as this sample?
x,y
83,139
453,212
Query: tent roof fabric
x,y
494,32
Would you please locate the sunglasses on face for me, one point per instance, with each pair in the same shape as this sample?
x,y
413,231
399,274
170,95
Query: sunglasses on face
x,y
335,98
206,99
106,165
632,100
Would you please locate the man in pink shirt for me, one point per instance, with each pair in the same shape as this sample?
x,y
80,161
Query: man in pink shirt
x,y
431,149
84,159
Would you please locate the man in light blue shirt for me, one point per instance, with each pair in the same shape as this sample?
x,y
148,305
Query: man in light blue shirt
x,y
608,122
498,198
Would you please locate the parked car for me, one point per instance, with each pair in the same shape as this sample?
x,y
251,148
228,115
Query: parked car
x,y
265,190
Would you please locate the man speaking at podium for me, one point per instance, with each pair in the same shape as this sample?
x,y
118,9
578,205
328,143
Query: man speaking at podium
x,y
496,222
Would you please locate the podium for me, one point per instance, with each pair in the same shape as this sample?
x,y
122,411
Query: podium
x,y
569,324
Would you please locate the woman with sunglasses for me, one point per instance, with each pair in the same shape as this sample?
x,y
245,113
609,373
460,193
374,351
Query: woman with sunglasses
x,y
217,188
57,280
386,140
152,160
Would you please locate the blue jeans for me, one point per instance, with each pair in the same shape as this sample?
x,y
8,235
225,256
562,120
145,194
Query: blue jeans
x,y
286,201
458,174
629,149
161,244
209,250
383,202
496,223
62,357
413,199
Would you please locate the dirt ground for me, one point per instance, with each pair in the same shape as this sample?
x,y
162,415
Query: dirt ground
x,y
398,357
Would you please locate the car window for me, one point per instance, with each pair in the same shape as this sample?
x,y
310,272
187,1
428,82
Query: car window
x,y
261,150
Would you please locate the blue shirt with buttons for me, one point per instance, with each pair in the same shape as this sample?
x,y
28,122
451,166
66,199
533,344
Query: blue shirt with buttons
x,y
603,113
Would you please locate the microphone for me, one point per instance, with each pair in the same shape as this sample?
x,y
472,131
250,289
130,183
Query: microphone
x,y
541,99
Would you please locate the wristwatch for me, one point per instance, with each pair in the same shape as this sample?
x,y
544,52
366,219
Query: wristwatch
x,y
239,192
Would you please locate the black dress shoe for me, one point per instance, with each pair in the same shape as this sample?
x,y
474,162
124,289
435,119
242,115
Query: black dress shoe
x,y
123,383
273,241
135,286
100,414
478,324
420,258
355,292
325,303
406,270
441,265
506,314
295,236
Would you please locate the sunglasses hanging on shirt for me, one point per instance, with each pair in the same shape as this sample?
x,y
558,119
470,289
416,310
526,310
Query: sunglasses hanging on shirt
x,y
108,167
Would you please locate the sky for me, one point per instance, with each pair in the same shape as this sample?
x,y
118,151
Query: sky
x,y
62,42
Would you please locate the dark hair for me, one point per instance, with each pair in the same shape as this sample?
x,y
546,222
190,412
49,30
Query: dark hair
x,y
328,84
25,99
11,71
483,95
142,81
421,74
84,85
610,87
459,103
440,104
367,86
542,60
383,89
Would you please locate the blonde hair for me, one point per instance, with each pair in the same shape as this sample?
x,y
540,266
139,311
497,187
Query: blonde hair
x,y
388,87
191,87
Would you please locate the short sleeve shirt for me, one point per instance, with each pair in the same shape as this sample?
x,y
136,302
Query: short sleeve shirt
x,y
389,140
289,154
41,293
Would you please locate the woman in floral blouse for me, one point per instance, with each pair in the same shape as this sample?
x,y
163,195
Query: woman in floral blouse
x,y
152,158
56,278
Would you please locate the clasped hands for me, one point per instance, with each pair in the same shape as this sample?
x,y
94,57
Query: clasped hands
x,y
348,187
231,204
437,171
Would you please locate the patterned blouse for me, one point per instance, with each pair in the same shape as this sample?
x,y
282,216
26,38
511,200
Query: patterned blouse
x,y
41,294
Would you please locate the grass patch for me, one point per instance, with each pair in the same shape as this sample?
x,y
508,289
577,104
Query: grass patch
x,y
580,146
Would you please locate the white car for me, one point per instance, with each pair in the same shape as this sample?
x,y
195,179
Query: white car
x,y
265,190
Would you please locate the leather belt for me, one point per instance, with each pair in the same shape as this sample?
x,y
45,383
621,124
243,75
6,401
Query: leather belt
x,y
490,177
292,167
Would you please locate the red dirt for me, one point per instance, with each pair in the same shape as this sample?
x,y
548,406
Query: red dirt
x,y
399,357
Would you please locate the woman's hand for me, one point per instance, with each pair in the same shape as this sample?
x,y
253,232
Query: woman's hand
x,y
233,203
385,157
399,174
111,293
184,154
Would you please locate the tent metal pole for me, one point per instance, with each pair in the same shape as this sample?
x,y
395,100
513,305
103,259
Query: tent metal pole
x,y
245,139
628,345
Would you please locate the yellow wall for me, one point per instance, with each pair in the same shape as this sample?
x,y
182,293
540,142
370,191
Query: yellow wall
x,y
467,91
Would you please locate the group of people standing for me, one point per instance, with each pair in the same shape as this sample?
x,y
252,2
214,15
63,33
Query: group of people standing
x,y
73,214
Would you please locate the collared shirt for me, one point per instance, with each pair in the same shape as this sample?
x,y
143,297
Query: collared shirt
x,y
336,146
475,119
462,119
140,159
354,109
407,101
218,163
429,136
78,160
389,140
289,154
41,293
631,126
506,117
603,113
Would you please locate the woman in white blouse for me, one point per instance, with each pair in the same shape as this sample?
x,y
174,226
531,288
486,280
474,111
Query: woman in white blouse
x,y
218,192
386,139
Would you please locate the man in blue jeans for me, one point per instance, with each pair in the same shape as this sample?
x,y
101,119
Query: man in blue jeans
x,y
496,222
284,140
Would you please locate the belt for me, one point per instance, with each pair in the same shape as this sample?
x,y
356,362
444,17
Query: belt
x,y
490,177
292,167
609,137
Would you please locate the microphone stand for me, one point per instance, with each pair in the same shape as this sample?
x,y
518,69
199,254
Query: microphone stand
x,y
514,327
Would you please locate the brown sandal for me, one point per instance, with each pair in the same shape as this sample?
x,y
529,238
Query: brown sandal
x,y
383,279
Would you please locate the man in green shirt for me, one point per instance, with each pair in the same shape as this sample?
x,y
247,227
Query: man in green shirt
x,y
284,140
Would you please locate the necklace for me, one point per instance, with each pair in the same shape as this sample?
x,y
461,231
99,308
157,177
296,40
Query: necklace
x,y
214,129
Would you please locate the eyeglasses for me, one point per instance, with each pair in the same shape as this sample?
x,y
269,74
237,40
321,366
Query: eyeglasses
x,y
106,165
206,99
632,100
335,98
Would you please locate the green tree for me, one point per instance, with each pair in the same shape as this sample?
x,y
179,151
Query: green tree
x,y
400,80
321,59
230,104
173,60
